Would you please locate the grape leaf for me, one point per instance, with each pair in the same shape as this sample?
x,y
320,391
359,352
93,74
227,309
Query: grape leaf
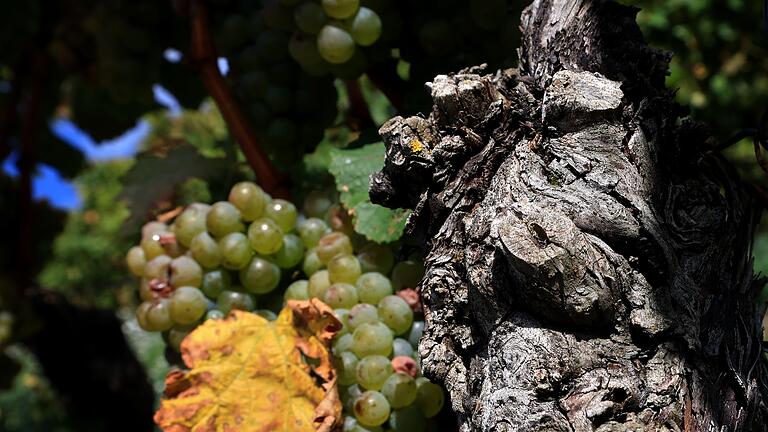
x,y
248,373
378,223
352,170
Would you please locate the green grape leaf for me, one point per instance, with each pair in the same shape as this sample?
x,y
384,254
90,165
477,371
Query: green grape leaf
x,y
352,170
153,180
378,223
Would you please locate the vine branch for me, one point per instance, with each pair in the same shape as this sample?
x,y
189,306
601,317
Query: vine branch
x,y
205,59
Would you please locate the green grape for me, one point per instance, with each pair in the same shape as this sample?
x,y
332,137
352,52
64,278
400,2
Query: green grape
x,y
346,367
371,408
253,84
414,335
311,230
136,260
351,425
318,284
304,50
141,315
205,250
343,316
309,17
190,223
214,314
297,291
407,419
214,282
335,45
362,313
185,271
348,396
344,268
374,257
407,274
177,334
317,203
372,371
372,287
158,268
271,45
312,263
330,245
145,289
259,114
372,339
429,397
395,313
229,300
291,252
158,316
342,343
152,247
353,68
283,213
187,304
340,9
401,347
223,218
365,27
151,228
260,276
279,99
282,134
340,295
399,389
266,314
235,251
265,236
249,198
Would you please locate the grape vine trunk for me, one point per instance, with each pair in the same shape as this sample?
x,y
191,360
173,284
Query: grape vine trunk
x,y
588,257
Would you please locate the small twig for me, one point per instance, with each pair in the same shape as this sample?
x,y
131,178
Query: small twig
x,y
738,136
359,117
205,58
385,78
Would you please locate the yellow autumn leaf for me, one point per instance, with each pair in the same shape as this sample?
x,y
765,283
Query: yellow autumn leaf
x,y
250,374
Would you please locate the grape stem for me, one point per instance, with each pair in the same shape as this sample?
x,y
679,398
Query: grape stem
x,y
206,61
359,116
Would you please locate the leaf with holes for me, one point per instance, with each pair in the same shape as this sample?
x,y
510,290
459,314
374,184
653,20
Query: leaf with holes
x,y
250,374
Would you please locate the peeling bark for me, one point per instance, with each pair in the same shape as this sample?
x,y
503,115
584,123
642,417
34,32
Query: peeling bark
x,y
588,259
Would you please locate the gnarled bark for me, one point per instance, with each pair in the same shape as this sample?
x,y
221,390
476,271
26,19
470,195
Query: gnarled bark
x,y
588,261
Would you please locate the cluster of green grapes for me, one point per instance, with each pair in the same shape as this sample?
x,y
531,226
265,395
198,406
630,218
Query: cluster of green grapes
x,y
283,56
241,253
376,354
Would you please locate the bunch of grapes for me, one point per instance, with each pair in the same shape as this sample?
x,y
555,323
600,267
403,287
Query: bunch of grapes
x,y
376,350
284,56
237,254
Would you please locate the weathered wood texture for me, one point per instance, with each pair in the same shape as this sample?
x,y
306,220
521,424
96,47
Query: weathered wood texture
x,y
588,261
